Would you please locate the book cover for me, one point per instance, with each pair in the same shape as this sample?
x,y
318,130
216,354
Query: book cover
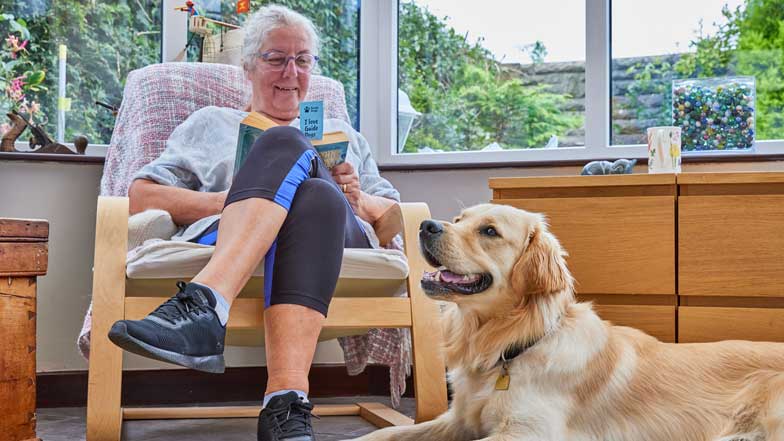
x,y
332,147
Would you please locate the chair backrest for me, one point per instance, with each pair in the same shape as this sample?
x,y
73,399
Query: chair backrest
x,y
157,98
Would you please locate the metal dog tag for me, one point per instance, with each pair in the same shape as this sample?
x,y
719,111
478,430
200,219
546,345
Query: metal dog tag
x,y
502,382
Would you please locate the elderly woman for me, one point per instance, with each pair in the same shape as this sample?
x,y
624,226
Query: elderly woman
x,y
283,205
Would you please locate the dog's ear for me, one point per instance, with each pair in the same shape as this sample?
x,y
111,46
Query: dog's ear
x,y
541,268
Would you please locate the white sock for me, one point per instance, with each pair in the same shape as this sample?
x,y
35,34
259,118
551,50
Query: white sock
x,y
221,305
272,395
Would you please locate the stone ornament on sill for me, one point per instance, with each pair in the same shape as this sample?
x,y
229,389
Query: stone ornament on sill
x,y
619,167
40,142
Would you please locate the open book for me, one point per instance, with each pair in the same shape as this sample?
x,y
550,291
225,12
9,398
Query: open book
x,y
332,147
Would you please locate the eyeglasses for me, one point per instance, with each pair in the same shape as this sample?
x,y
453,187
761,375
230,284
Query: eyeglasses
x,y
275,60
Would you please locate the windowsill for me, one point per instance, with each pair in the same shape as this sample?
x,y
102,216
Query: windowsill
x,y
51,157
696,159
95,154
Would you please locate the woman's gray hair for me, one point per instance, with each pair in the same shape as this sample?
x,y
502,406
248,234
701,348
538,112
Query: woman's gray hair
x,y
267,19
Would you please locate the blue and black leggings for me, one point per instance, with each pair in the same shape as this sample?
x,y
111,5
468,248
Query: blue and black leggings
x,y
303,263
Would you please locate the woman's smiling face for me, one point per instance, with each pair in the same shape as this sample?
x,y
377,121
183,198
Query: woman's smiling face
x,y
277,93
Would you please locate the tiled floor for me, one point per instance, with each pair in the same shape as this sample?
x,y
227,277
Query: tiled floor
x,y
67,424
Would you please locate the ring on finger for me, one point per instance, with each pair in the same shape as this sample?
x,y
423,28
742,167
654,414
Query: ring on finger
x,y
345,188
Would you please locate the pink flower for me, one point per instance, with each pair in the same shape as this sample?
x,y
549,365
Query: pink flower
x,y
4,128
12,41
14,46
15,94
17,83
14,90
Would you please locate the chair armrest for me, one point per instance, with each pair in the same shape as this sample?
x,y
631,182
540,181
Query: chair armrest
x,y
411,216
111,235
389,224
399,218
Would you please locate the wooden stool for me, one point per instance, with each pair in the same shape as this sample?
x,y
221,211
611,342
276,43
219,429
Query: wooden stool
x,y
23,256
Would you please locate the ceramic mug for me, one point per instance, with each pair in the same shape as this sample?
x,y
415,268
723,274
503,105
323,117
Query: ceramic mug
x,y
664,149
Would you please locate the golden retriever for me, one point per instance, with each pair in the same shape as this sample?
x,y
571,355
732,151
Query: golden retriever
x,y
569,376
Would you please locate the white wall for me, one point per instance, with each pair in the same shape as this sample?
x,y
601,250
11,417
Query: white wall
x,y
65,194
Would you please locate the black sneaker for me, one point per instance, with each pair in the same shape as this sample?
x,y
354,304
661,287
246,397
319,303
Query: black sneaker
x,y
286,417
185,330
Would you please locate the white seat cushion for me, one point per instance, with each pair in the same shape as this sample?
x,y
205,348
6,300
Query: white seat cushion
x,y
165,259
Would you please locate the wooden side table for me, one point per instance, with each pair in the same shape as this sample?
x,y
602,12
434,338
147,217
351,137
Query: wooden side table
x,y
23,257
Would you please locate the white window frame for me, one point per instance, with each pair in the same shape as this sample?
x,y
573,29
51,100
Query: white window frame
x,y
378,99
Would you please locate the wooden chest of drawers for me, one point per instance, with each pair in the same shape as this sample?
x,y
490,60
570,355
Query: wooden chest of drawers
x,y
707,248
620,235
23,257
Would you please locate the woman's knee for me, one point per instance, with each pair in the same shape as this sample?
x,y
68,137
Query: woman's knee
x,y
281,137
319,200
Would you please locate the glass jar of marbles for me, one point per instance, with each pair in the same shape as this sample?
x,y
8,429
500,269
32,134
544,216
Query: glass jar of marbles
x,y
714,114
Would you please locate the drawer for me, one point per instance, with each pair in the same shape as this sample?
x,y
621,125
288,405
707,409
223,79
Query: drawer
x,y
705,324
657,321
616,245
731,245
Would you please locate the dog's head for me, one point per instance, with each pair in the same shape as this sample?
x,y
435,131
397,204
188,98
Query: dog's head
x,y
492,253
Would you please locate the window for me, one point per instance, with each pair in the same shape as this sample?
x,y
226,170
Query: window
x,y
336,20
103,40
500,76
440,123
654,44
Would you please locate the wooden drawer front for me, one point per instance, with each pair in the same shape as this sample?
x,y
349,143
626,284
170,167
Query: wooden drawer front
x,y
23,258
616,245
658,321
731,245
704,324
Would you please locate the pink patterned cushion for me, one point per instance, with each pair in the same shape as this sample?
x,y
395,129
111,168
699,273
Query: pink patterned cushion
x,y
159,97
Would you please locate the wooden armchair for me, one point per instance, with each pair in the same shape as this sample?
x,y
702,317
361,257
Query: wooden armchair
x,y
114,299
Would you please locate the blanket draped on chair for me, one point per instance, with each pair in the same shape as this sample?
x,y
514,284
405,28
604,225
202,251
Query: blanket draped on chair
x,y
159,97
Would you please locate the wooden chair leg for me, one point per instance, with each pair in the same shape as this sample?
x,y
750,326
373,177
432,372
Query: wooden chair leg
x,y
104,412
426,332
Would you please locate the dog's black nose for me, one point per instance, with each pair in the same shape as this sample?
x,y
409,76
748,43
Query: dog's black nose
x,y
431,228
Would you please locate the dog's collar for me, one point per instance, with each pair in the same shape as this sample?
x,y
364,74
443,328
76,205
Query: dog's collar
x,y
514,350
517,349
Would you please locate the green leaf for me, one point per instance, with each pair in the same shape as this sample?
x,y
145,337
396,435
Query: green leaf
x,y
36,78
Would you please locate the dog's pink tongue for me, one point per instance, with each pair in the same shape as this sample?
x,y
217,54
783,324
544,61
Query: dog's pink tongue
x,y
450,277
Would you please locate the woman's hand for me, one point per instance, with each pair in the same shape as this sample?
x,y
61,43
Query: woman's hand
x,y
368,207
348,182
